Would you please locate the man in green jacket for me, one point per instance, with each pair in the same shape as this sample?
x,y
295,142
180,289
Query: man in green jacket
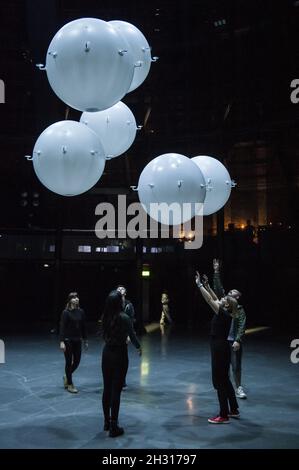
x,y
237,329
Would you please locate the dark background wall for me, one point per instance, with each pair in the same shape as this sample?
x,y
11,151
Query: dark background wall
x,y
221,87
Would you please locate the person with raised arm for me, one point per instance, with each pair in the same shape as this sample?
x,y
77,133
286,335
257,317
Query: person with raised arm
x,y
224,310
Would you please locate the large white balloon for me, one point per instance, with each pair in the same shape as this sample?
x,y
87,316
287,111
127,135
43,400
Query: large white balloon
x,y
68,158
140,49
218,183
115,126
89,65
171,178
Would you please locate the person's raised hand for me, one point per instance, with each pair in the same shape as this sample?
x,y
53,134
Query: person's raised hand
x,y
216,265
205,280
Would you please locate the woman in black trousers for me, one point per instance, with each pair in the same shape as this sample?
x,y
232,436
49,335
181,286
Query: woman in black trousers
x,y
117,326
224,310
72,331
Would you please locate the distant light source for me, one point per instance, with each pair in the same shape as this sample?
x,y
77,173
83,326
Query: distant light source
x,y
46,265
220,22
146,272
242,226
190,236
84,249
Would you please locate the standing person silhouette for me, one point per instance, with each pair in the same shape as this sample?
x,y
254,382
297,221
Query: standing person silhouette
x,y
224,310
117,326
72,331
237,330
165,309
249,231
128,308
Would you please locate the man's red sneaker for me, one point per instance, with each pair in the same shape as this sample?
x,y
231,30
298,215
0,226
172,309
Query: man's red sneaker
x,y
218,420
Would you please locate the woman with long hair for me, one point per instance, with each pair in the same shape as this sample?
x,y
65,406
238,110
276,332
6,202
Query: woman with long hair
x,y
224,310
72,332
117,326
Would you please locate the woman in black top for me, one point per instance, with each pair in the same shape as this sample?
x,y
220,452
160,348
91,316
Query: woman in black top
x,y
224,310
117,326
72,331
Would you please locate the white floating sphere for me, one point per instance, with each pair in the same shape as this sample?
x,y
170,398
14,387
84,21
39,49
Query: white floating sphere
x,y
87,66
68,158
171,178
115,126
140,49
218,183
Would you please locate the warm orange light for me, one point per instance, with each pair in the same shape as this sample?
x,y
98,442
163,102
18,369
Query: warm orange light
x,y
242,226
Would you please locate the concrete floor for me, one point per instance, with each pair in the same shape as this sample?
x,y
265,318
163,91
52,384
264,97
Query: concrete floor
x,y
166,405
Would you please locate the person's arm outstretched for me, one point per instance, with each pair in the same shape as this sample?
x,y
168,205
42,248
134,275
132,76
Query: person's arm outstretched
x,y
241,324
214,304
132,335
217,283
207,286
62,326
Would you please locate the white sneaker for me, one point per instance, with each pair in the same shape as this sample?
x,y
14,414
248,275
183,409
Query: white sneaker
x,y
240,393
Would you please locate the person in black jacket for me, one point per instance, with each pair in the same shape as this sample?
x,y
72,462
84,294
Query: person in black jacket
x,y
237,330
116,326
72,331
127,308
224,310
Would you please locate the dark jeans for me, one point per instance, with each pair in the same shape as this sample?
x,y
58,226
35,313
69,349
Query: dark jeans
x,y
72,356
114,369
220,355
236,362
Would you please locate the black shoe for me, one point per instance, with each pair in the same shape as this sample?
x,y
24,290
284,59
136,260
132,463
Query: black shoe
x,y
106,425
115,430
125,386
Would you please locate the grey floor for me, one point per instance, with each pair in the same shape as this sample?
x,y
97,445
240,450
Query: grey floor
x,y
166,405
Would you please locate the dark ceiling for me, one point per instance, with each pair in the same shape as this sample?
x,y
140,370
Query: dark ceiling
x,y
222,83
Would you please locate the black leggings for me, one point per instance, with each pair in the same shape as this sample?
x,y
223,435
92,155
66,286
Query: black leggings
x,y
220,354
114,368
72,356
